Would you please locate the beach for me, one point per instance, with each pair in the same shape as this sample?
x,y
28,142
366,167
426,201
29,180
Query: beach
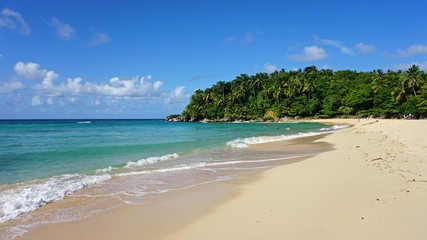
x,y
371,185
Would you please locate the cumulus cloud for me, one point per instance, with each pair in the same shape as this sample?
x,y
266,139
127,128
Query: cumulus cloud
x,y
178,92
269,68
310,53
417,49
48,78
364,48
99,38
32,71
29,70
63,30
14,20
118,94
118,88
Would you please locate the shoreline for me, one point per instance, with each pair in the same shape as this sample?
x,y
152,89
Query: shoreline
x,y
372,186
365,188
156,206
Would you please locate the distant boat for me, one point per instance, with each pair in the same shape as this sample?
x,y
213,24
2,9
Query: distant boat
x,y
84,122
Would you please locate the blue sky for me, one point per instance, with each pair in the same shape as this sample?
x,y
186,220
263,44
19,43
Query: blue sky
x,y
143,59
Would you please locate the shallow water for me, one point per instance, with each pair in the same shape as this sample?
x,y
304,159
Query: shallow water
x,y
93,162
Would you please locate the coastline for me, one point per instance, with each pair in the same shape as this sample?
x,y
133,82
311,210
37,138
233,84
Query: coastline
x,y
371,186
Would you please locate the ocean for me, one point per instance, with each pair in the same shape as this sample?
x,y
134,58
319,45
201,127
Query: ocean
x,y
130,161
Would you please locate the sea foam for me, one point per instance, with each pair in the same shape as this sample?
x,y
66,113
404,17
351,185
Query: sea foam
x,y
28,197
334,127
151,160
245,142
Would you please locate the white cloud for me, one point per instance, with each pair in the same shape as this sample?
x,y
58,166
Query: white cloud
x,y
335,44
29,70
405,66
48,78
178,92
32,71
14,20
115,87
157,85
64,30
112,96
36,101
417,49
100,38
269,68
310,53
346,50
364,48
49,101
8,87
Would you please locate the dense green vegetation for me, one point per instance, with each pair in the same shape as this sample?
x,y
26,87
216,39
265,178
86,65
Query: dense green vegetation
x,y
313,92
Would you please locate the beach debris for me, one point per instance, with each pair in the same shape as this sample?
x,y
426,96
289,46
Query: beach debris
x,y
376,159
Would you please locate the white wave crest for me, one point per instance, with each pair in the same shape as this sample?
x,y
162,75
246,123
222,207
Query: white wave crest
x,y
245,142
151,160
105,170
334,127
29,197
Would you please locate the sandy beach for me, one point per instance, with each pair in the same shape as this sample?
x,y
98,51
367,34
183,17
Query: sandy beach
x,y
372,185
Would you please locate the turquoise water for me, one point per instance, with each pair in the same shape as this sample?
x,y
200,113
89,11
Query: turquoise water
x,y
44,161
40,149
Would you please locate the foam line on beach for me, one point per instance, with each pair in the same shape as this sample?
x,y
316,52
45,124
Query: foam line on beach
x,y
204,165
151,160
29,197
334,127
245,142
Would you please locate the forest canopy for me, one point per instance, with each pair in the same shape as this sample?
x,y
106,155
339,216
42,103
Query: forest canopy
x,y
311,92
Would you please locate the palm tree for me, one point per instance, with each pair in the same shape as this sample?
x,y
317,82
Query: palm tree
x,y
413,78
293,87
400,94
308,86
378,80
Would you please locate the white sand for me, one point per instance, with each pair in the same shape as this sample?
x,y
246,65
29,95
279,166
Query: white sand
x,y
373,186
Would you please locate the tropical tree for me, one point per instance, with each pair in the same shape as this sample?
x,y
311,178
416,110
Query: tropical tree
x,y
413,79
311,92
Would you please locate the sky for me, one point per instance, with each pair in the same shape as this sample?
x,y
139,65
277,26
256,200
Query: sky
x,y
86,59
